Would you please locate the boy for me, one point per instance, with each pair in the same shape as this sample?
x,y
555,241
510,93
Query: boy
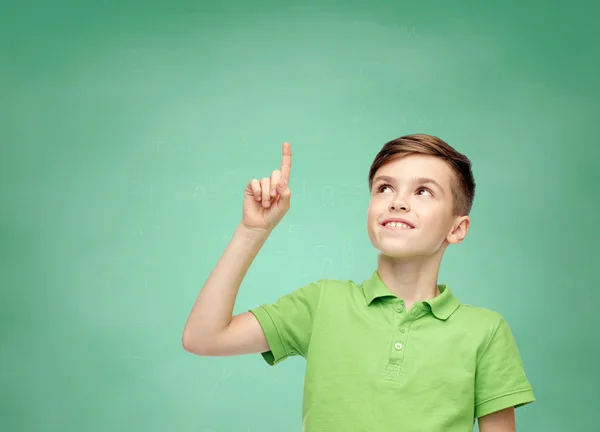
x,y
397,352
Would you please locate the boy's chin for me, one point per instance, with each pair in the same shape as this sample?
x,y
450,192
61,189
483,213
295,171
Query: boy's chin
x,y
405,251
406,254
398,253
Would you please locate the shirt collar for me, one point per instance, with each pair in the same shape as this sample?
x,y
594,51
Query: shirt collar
x,y
442,306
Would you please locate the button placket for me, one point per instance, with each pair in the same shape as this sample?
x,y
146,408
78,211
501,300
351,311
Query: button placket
x,y
398,342
393,370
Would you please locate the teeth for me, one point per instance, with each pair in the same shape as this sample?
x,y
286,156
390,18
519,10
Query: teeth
x,y
398,224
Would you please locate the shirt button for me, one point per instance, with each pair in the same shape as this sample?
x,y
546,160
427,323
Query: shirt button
x,y
398,346
398,308
402,328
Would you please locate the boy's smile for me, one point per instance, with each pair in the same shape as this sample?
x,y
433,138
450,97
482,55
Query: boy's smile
x,y
396,224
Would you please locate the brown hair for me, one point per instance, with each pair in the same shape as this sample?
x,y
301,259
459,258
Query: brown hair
x,y
463,188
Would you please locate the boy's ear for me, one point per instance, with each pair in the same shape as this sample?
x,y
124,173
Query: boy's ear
x,y
459,230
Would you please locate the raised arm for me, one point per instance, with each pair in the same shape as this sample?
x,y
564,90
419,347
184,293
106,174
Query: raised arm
x,y
211,329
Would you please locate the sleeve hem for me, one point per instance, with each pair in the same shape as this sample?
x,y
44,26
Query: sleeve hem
x,y
277,351
515,399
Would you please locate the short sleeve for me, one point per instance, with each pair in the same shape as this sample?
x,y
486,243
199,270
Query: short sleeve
x,y
287,323
500,380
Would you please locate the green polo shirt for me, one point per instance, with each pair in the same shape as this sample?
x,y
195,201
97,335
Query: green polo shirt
x,y
372,366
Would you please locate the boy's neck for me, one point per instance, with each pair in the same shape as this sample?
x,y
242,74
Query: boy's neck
x,y
411,280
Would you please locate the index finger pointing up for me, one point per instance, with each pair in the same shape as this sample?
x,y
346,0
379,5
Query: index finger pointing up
x,y
286,161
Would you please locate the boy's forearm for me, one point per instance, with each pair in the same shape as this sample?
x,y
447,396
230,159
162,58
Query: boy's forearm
x,y
213,308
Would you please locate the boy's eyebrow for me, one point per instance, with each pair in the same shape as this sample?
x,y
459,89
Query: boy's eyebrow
x,y
418,180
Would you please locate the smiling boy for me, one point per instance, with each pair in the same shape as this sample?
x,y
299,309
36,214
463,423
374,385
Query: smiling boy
x,y
398,351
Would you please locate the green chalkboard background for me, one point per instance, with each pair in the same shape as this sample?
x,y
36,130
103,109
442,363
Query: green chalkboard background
x,y
129,129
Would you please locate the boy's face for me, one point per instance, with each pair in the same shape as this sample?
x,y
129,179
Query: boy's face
x,y
415,188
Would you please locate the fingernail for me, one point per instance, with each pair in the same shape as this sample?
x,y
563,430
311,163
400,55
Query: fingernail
x,y
273,192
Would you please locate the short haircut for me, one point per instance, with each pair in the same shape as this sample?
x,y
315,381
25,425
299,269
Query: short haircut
x,y
463,186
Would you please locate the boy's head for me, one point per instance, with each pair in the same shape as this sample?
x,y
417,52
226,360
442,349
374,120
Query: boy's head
x,y
423,181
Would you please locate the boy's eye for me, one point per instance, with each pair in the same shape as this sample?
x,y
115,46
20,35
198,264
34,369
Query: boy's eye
x,y
420,191
382,186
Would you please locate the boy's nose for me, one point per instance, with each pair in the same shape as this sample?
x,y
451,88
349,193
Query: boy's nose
x,y
398,203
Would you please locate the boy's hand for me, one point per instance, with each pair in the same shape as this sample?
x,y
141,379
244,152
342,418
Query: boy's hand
x,y
268,200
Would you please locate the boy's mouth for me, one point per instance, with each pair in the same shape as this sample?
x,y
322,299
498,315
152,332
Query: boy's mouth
x,y
397,226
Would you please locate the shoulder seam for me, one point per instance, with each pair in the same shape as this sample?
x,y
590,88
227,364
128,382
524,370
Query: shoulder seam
x,y
487,345
320,283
